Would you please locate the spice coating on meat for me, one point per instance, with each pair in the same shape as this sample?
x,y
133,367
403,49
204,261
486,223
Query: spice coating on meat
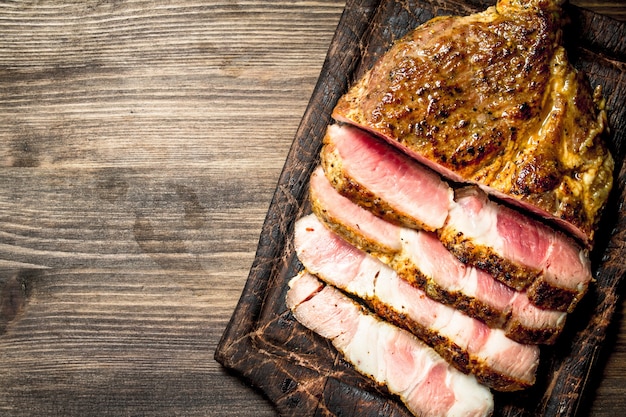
x,y
517,250
368,232
491,98
392,185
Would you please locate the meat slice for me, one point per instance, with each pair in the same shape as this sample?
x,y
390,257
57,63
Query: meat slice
x,y
427,263
469,344
422,260
369,232
390,184
389,355
517,250
491,99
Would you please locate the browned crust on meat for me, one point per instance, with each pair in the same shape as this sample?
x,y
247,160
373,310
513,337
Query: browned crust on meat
x,y
371,246
470,306
451,352
542,294
483,257
406,269
348,187
493,317
515,330
497,104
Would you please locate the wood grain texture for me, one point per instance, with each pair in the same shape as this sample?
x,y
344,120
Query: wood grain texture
x,y
140,146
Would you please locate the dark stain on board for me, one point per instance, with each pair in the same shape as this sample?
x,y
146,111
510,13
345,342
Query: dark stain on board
x,y
15,291
111,187
195,213
163,225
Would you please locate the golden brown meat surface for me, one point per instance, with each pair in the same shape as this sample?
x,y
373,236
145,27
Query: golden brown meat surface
x,y
491,98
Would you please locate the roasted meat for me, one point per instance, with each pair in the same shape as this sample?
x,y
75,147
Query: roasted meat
x,y
424,381
491,99
517,250
467,343
514,248
367,231
386,181
458,197
422,260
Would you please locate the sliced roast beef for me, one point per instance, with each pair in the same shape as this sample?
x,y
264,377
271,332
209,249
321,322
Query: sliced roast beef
x,y
368,231
391,356
468,343
514,248
426,262
421,259
517,250
389,183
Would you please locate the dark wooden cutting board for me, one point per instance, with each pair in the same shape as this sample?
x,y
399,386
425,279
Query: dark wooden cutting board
x,y
300,372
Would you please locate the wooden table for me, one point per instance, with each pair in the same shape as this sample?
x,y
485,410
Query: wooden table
x,y
140,145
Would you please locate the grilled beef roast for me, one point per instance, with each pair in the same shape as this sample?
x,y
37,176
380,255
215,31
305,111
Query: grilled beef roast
x,y
467,343
422,260
491,99
424,381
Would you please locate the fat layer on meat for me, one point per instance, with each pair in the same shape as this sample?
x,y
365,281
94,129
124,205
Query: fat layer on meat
x,y
424,381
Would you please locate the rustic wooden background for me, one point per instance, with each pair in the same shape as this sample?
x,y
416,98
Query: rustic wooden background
x,y
140,145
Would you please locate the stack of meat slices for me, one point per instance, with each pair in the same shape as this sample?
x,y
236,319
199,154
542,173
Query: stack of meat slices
x,y
430,286
390,242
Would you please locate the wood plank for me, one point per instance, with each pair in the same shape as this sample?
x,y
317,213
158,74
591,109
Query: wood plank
x,y
140,147
612,8
96,342
175,77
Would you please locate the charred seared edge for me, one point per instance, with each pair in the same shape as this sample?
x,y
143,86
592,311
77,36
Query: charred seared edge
x,y
364,243
545,295
506,319
319,197
540,292
483,257
377,176
387,354
406,268
467,343
517,250
519,332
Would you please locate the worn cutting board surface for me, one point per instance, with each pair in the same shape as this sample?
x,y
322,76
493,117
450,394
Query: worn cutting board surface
x,y
300,372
